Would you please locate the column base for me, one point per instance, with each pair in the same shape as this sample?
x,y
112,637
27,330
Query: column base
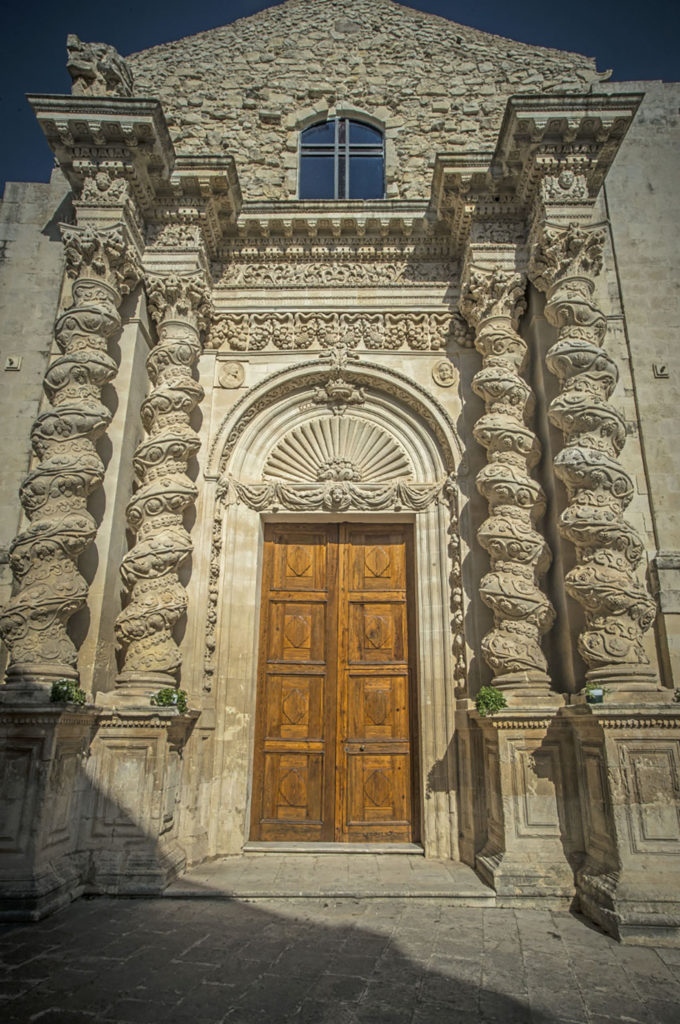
x,y
43,796
629,779
528,690
630,684
532,831
135,689
32,683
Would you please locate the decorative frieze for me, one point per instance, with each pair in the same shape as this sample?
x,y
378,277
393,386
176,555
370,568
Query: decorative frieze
x,y
336,273
54,495
618,609
493,300
179,304
417,331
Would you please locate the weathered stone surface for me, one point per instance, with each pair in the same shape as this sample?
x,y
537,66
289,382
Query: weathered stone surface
x,y
369,360
291,62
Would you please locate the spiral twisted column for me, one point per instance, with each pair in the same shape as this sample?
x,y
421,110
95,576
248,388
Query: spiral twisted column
x,y
54,495
179,304
492,302
618,608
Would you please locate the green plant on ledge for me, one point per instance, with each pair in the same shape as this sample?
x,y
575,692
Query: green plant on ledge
x,y
594,693
170,698
67,691
489,700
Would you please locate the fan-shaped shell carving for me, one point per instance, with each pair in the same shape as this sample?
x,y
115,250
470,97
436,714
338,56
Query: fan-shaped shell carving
x,y
338,448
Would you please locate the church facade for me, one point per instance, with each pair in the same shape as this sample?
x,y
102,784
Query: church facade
x,y
340,391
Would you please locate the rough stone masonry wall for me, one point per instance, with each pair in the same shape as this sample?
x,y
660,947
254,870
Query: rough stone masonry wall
x,y
434,85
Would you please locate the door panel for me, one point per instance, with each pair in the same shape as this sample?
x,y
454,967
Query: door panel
x,y
334,716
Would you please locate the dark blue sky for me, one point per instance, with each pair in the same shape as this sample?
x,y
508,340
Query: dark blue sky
x,y
639,39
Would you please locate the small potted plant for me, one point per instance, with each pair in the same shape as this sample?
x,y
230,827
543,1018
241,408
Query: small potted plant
x,y
594,693
170,698
67,691
489,700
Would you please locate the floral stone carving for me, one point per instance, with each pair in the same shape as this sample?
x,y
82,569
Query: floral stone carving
x,y
618,608
492,302
54,494
179,305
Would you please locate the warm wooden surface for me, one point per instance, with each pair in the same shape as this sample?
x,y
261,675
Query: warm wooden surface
x,y
335,719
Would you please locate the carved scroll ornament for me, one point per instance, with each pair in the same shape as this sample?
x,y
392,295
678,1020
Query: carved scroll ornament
x,y
617,607
493,300
55,492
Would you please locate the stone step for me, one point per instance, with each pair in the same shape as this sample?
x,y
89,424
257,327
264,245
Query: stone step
x,y
412,849
271,875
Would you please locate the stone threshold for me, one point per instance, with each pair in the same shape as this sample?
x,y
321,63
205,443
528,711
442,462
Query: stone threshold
x,y
283,875
412,849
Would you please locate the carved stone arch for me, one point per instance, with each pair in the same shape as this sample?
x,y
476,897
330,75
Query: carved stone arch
x,y
292,393
339,407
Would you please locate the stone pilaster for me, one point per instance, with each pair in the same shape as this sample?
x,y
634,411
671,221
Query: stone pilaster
x,y
618,608
44,556
493,301
179,304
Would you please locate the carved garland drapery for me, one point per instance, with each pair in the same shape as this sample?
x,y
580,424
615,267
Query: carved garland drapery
x,y
492,302
179,305
617,607
103,268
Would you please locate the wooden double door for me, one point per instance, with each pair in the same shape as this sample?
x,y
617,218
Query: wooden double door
x,y
335,731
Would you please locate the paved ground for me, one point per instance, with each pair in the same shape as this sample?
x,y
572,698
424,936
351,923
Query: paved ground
x,y
200,961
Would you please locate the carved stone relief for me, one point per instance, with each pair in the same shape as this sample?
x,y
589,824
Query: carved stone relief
x,y
179,305
97,69
618,608
339,449
493,301
54,494
258,331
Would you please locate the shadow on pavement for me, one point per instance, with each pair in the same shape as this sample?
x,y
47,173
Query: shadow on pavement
x,y
204,961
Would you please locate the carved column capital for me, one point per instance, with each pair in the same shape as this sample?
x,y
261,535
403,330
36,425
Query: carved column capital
x,y
560,254
179,297
492,292
104,256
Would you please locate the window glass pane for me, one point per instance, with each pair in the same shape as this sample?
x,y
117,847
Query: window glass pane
x,y
362,133
317,179
366,177
319,134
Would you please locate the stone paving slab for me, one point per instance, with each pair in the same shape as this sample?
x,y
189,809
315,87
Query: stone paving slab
x,y
336,875
326,961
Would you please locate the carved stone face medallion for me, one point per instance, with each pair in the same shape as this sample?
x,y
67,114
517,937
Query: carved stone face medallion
x,y
444,374
231,375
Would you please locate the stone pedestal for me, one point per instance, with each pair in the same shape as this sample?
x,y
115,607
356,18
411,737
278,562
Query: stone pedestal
x,y
43,787
629,780
88,801
533,832
135,777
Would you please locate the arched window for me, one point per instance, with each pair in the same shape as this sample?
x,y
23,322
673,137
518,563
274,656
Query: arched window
x,y
342,159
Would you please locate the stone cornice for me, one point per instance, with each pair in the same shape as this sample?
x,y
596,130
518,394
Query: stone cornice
x,y
552,150
309,219
129,132
116,149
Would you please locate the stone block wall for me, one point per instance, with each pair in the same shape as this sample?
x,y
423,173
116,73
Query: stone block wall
x,y
247,88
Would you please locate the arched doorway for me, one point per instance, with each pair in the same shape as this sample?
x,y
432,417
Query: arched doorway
x,y
351,451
